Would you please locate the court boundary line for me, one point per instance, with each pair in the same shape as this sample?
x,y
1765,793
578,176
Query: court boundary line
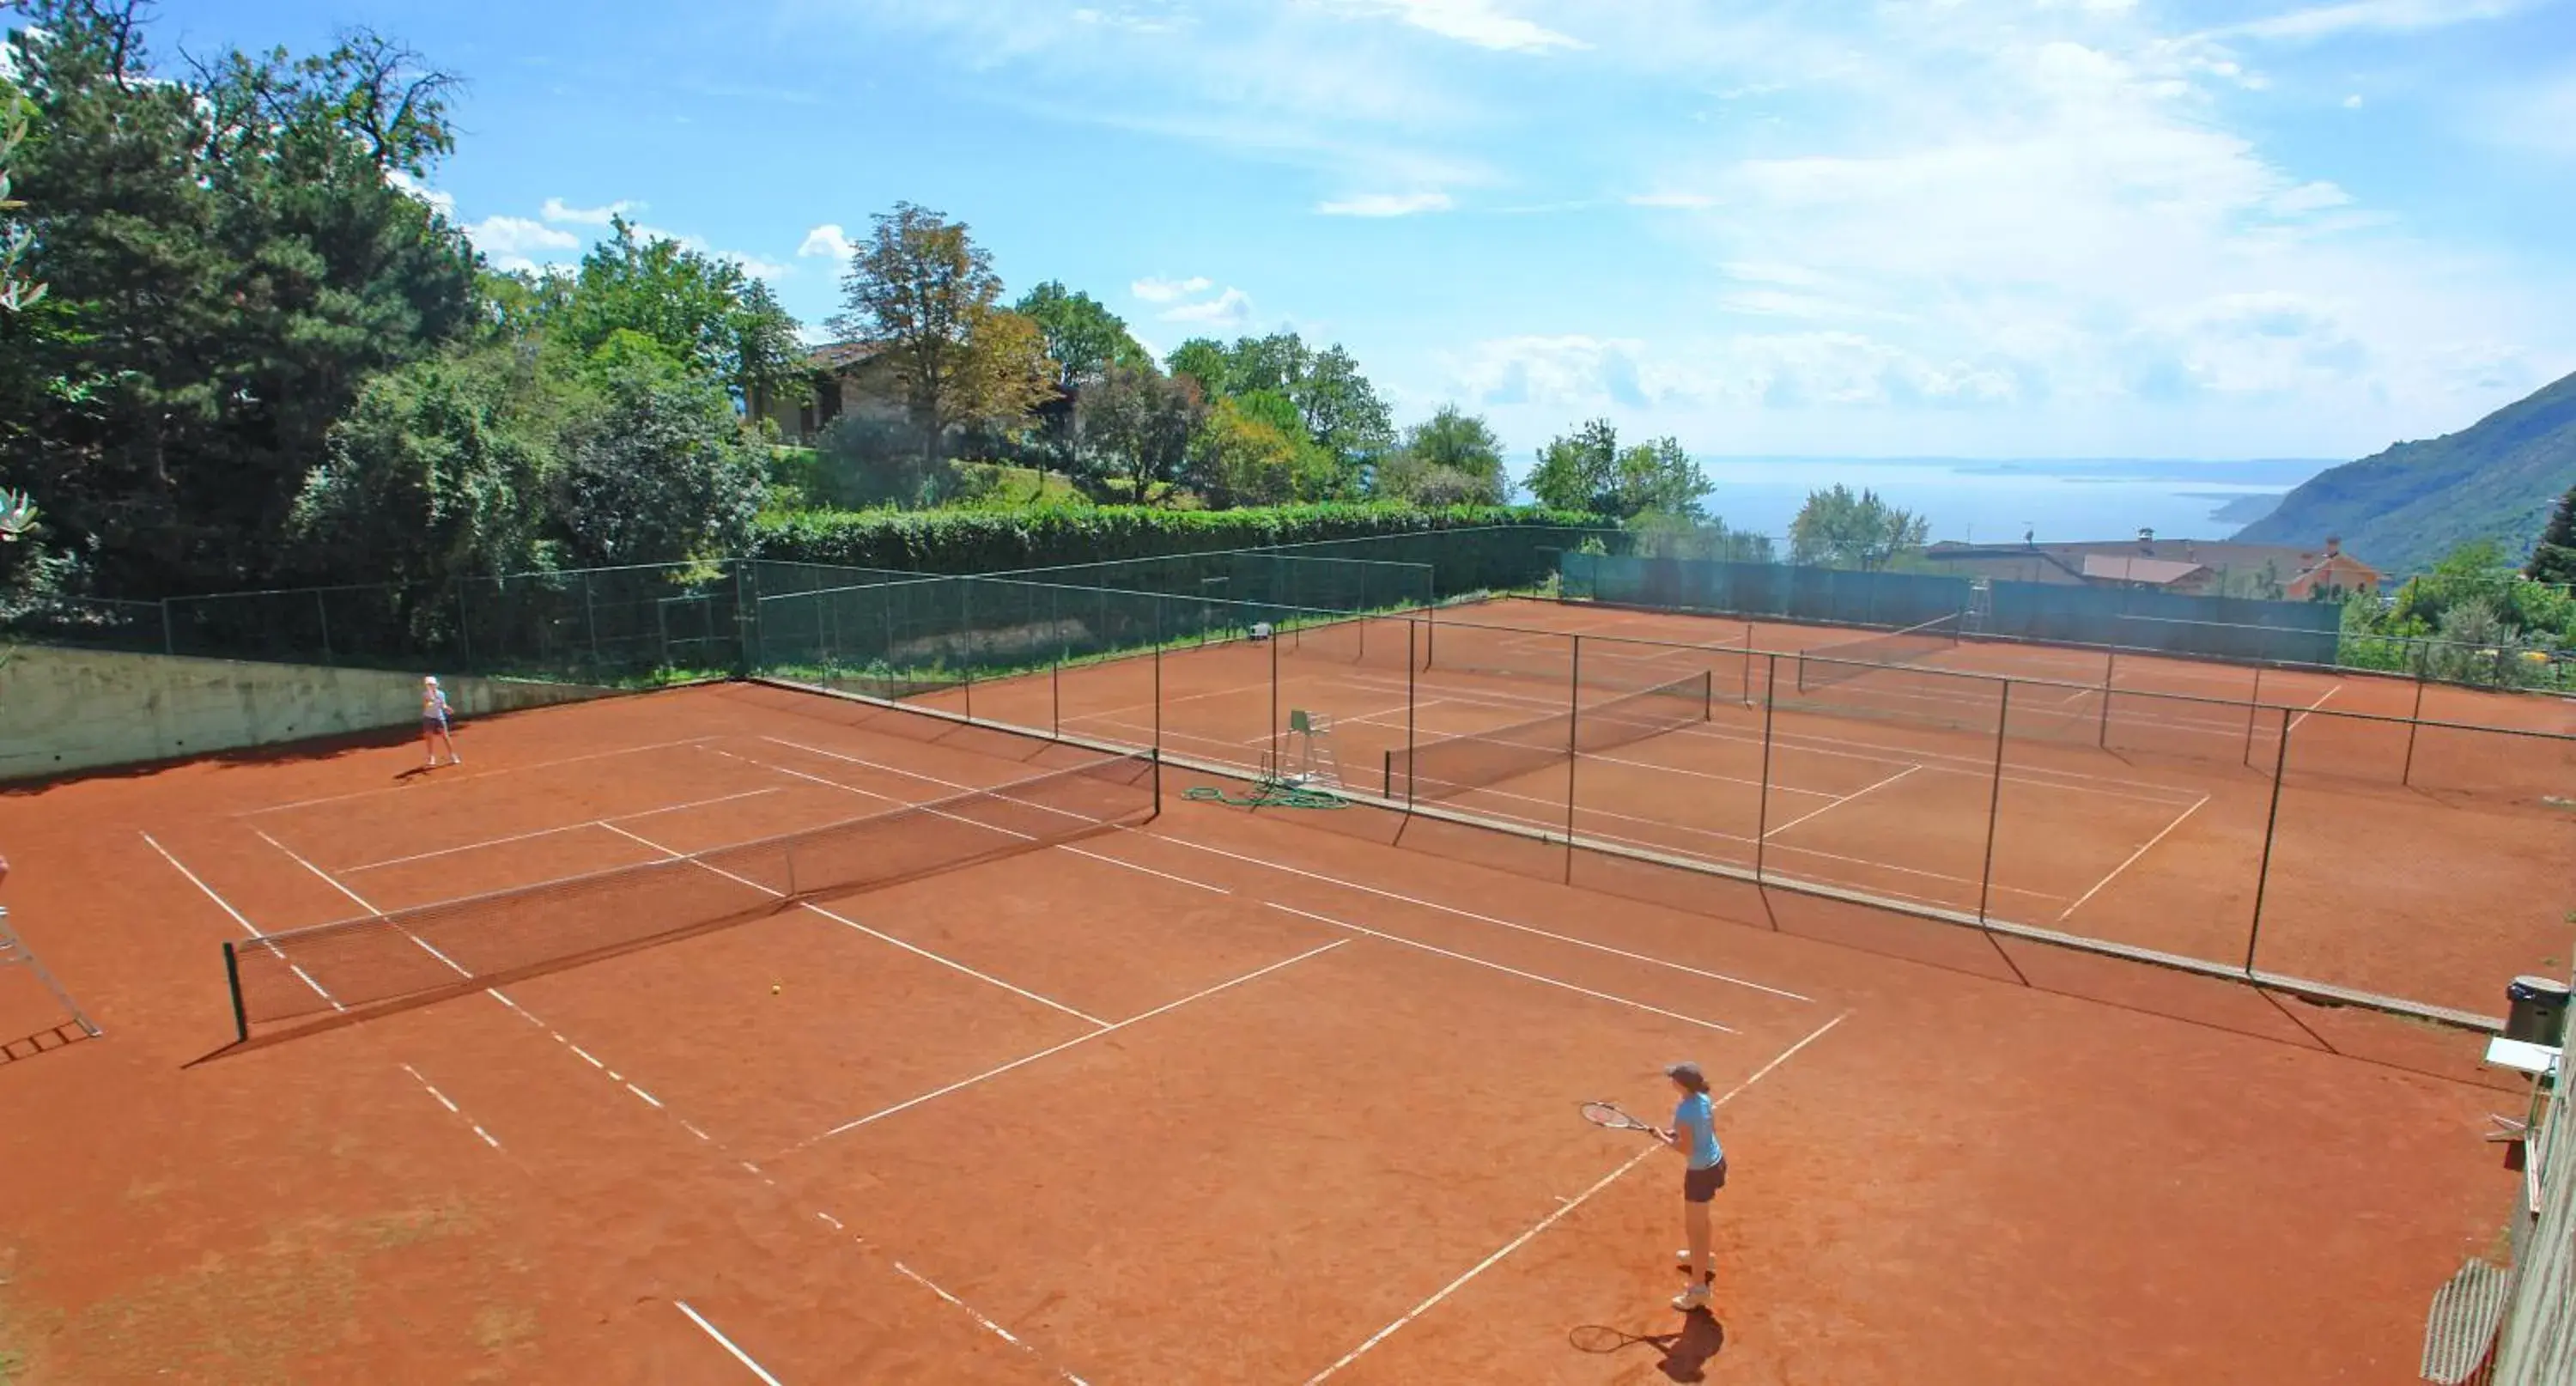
x,y
951,963
727,1344
1770,833
2258,978
550,832
1562,1211
1340,881
1027,1059
473,776
2160,836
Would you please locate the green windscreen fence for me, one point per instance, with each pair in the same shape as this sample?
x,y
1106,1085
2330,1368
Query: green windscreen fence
x,y
2128,618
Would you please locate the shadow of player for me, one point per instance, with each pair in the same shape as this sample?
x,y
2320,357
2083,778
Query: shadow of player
x,y
1685,1354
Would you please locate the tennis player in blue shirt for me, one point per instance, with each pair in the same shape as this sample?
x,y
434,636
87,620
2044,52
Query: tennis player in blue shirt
x,y
1694,1134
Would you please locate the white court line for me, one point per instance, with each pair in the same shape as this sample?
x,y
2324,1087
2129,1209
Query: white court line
x,y
1498,967
550,832
444,1101
1559,1215
2133,859
1838,803
334,882
880,936
479,774
1846,748
1602,758
246,927
2320,702
1060,1048
1348,884
978,1316
727,1343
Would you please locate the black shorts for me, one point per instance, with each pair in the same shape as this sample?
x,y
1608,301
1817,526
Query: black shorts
x,y
1701,1185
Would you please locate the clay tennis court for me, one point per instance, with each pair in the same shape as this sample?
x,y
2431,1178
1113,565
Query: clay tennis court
x,y
2135,814
1210,1095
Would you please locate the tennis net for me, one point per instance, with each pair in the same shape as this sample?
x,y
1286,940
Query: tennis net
x,y
1456,764
459,945
1833,664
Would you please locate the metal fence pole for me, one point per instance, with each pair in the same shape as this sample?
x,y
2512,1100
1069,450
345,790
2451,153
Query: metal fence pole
x,y
1276,765
322,616
169,642
1762,801
1573,733
2414,723
2110,675
1158,686
1994,803
2253,709
966,628
590,618
1410,698
2271,828
464,627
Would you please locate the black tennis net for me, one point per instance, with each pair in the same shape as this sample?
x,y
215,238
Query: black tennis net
x,y
458,945
1456,764
1833,664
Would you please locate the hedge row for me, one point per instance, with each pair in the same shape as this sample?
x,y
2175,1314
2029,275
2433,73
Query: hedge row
x,y
970,541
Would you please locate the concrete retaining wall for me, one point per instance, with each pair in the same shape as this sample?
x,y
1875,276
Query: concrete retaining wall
x,y
67,710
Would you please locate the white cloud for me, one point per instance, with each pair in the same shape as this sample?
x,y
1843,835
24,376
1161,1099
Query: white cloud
x,y
1233,308
1477,22
444,203
1688,200
2352,102
829,241
1169,290
2372,16
518,237
1385,205
2310,197
556,210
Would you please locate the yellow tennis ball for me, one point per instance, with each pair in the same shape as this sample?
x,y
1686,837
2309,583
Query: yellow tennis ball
x,y
773,988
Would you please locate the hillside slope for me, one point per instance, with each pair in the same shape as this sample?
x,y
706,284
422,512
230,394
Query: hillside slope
x,y
2406,507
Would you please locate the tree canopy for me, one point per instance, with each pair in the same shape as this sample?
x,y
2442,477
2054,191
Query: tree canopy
x,y
1588,470
1839,529
924,292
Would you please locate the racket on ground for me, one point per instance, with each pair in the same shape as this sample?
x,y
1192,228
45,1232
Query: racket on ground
x,y
1601,1337
1607,1114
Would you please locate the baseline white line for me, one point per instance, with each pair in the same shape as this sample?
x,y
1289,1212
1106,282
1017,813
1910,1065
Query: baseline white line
x,y
727,1343
879,935
1560,1214
478,775
2132,861
549,832
1838,803
1498,967
1060,1048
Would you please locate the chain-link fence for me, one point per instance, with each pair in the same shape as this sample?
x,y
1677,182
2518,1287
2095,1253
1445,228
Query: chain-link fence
x,y
2397,861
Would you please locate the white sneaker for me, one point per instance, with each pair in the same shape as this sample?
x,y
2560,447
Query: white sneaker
x,y
1696,1297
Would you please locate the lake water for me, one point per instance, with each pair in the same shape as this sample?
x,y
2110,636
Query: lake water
x,y
1995,502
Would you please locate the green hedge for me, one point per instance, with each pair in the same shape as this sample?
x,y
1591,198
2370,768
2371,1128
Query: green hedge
x,y
966,541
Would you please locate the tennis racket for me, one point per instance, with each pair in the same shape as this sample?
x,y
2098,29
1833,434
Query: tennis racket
x,y
1607,1114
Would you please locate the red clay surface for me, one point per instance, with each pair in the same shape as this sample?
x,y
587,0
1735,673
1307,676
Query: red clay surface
x,y
1275,1096
2144,827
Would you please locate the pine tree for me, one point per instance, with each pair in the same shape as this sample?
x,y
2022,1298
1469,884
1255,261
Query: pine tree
x,y
2554,559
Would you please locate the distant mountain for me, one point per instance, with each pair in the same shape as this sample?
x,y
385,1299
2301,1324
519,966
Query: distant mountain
x,y
2404,508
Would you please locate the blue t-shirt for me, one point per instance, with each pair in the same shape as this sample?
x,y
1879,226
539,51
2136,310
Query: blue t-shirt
x,y
1695,1122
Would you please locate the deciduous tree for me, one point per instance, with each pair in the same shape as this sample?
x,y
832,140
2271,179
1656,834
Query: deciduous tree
x,y
921,288
1836,528
1137,427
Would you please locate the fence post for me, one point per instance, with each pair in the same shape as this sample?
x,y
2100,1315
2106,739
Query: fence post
x,y
2254,709
1573,736
1158,700
1762,801
1994,803
1410,697
169,643
2110,675
590,618
464,628
966,627
2414,724
322,614
2271,828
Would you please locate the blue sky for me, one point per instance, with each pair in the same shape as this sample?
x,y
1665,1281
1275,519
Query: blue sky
x,y
1996,228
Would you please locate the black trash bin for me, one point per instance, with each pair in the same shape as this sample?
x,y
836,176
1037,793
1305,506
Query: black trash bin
x,y
2536,1011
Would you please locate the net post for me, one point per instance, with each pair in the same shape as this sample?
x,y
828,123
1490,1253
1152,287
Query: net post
x,y
1156,757
1387,769
1158,696
1276,764
1762,801
1994,803
2102,734
2414,724
1707,695
2271,829
232,983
